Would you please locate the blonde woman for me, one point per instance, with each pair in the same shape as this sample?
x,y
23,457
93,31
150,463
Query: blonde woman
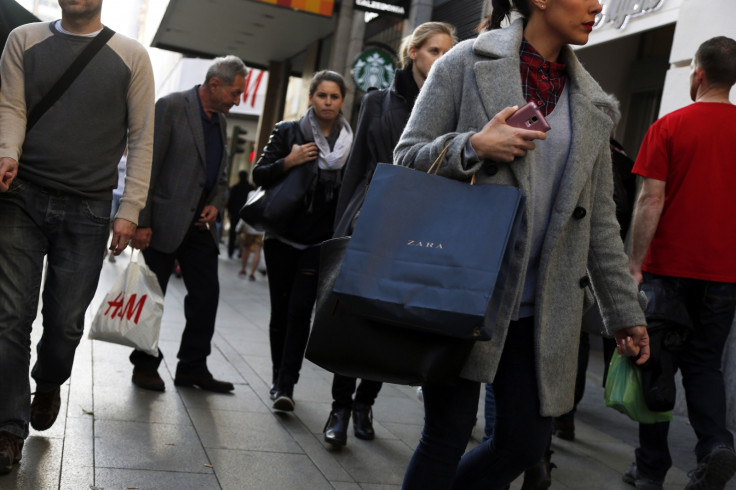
x,y
383,115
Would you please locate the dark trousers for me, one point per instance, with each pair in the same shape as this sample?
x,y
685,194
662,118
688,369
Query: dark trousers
x,y
711,308
343,388
70,232
595,323
232,234
292,284
197,257
520,436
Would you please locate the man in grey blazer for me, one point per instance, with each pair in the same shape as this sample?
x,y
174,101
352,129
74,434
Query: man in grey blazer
x,y
188,191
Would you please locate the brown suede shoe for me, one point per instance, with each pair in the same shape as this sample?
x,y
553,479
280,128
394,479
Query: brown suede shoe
x,y
148,380
45,408
11,447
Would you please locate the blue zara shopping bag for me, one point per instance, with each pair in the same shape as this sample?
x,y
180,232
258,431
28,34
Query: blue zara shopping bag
x,y
427,252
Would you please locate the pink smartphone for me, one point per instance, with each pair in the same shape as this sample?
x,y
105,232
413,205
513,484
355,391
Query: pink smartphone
x,y
528,117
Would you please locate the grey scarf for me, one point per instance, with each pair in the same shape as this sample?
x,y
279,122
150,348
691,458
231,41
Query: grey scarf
x,y
328,159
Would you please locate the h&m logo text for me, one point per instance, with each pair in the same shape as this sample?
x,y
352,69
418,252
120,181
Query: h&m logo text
x,y
126,310
414,243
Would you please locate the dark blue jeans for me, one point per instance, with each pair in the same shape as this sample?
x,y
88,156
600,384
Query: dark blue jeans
x,y
292,285
489,411
711,308
71,233
197,257
520,436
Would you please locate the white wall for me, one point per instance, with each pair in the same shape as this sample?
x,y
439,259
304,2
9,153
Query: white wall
x,y
667,13
698,21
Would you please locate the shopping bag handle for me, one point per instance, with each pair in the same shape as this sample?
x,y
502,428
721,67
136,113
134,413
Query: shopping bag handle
x,y
438,163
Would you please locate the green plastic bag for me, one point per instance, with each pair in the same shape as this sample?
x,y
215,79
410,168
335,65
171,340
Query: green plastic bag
x,y
624,392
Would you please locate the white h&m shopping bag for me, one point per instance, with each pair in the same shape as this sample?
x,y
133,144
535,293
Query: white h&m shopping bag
x,y
131,312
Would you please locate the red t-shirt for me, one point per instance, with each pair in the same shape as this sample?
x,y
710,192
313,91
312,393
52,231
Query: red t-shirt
x,y
693,150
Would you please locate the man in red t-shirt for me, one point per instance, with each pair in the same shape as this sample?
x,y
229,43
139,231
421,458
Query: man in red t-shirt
x,y
684,238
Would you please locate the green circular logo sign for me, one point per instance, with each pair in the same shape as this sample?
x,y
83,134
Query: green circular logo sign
x,y
373,68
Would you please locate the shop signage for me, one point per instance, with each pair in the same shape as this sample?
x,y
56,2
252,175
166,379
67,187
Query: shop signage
x,y
389,7
619,12
319,7
373,68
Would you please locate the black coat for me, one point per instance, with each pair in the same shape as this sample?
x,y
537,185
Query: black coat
x,y
313,223
383,115
236,199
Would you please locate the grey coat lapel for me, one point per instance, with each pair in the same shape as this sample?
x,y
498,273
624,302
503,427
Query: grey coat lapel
x,y
502,46
194,117
590,126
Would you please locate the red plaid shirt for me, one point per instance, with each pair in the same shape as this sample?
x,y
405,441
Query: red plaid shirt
x,y
541,80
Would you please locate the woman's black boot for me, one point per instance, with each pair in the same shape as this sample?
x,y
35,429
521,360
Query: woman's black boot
x,y
336,429
363,422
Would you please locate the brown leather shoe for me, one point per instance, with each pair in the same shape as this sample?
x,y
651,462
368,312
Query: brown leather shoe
x,y
203,381
45,408
11,447
148,379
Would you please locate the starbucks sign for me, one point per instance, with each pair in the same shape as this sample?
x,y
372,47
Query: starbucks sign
x,y
373,68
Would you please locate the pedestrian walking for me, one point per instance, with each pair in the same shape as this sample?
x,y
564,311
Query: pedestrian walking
x,y
383,115
235,200
568,234
58,166
251,241
683,238
322,139
188,192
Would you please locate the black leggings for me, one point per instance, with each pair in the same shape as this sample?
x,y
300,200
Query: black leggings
x,y
292,283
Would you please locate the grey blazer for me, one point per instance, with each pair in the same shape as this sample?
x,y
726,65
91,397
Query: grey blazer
x,y
179,171
464,90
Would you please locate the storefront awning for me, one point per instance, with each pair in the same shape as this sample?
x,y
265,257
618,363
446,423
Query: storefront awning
x,y
256,31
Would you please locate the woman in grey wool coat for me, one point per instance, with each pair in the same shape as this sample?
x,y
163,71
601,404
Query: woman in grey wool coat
x,y
568,235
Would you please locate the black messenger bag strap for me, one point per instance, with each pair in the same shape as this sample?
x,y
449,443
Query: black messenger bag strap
x,y
68,77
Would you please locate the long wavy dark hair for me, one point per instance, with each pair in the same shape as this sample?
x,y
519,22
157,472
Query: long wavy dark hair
x,y
501,10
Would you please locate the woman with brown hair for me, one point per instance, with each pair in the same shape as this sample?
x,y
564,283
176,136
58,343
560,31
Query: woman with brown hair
x,y
568,235
321,138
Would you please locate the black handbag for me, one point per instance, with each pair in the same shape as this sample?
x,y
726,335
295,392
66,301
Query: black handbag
x,y
669,325
273,208
356,346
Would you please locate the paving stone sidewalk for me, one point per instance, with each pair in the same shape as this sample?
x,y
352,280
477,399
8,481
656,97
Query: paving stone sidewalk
x,y
112,435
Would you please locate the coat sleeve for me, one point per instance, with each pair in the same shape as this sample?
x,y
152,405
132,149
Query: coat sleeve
x,y
161,139
219,194
433,124
615,289
361,162
270,166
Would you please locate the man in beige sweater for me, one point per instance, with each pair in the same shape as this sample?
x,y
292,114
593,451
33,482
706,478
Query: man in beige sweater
x,y
56,182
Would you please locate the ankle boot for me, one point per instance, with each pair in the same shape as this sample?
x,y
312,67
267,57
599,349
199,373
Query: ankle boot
x,y
363,422
336,428
539,476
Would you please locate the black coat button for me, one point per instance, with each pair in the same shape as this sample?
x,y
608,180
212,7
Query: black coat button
x,y
584,282
491,169
579,212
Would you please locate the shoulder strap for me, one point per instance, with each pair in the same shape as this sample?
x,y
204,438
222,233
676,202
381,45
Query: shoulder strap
x,y
68,77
